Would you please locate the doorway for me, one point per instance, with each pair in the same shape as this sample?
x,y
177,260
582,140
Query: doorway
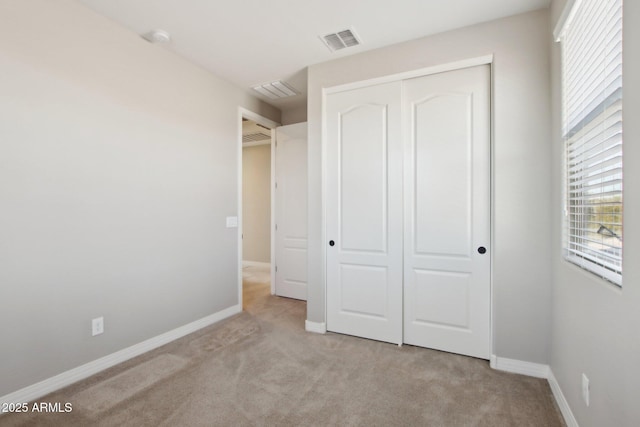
x,y
256,134
256,208
272,205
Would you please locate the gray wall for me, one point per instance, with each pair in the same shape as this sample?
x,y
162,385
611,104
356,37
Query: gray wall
x,y
595,324
118,166
294,115
521,166
256,203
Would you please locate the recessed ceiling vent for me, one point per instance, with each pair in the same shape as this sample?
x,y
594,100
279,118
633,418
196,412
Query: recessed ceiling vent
x,y
255,134
276,90
255,137
340,40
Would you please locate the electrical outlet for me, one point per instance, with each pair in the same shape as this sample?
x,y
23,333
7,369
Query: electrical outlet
x,y
585,389
97,326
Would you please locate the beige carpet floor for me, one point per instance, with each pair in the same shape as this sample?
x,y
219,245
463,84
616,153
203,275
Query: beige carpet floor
x,y
260,368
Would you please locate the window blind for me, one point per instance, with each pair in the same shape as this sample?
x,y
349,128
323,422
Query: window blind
x,y
591,41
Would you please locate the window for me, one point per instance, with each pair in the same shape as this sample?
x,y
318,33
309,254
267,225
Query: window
x,y
590,34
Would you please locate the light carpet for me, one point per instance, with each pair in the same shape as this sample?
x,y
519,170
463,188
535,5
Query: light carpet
x,y
261,368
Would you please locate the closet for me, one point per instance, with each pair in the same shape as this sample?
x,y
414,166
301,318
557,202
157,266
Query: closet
x,y
408,176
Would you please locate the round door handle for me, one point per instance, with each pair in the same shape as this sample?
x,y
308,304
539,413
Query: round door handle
x,y
482,250
331,243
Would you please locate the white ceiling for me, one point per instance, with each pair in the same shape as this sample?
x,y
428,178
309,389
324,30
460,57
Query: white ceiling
x,y
251,42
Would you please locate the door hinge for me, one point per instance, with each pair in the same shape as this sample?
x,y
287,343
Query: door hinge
x,y
276,185
276,268
276,227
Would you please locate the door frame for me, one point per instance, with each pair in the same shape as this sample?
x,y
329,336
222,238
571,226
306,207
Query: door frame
x,y
421,72
248,114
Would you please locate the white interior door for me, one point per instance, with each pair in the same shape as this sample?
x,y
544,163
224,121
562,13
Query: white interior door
x,y
364,213
291,211
447,211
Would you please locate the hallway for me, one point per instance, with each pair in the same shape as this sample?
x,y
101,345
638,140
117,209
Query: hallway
x,y
256,284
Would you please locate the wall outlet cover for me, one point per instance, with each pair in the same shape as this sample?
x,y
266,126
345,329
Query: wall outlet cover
x,y
97,326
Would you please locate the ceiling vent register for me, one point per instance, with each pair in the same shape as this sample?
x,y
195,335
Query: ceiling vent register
x,y
255,137
341,40
276,90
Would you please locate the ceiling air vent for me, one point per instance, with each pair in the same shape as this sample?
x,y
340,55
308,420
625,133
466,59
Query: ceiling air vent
x,y
255,137
276,90
340,40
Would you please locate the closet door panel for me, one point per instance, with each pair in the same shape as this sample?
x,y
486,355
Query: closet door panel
x,y
364,212
363,178
447,211
442,148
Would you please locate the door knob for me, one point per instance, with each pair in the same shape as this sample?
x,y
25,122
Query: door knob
x,y
331,243
482,250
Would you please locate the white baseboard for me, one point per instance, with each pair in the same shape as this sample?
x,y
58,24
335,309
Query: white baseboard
x,y
539,371
569,418
256,264
531,369
71,376
316,327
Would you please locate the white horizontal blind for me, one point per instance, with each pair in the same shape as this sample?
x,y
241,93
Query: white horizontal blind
x,y
592,126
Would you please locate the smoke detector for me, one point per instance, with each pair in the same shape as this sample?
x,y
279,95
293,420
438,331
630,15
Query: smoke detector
x,y
157,36
340,39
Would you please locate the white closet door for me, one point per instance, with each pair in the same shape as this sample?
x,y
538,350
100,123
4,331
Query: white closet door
x,y
447,211
364,212
291,211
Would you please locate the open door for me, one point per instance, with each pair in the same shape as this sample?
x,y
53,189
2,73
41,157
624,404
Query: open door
x,y
291,211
